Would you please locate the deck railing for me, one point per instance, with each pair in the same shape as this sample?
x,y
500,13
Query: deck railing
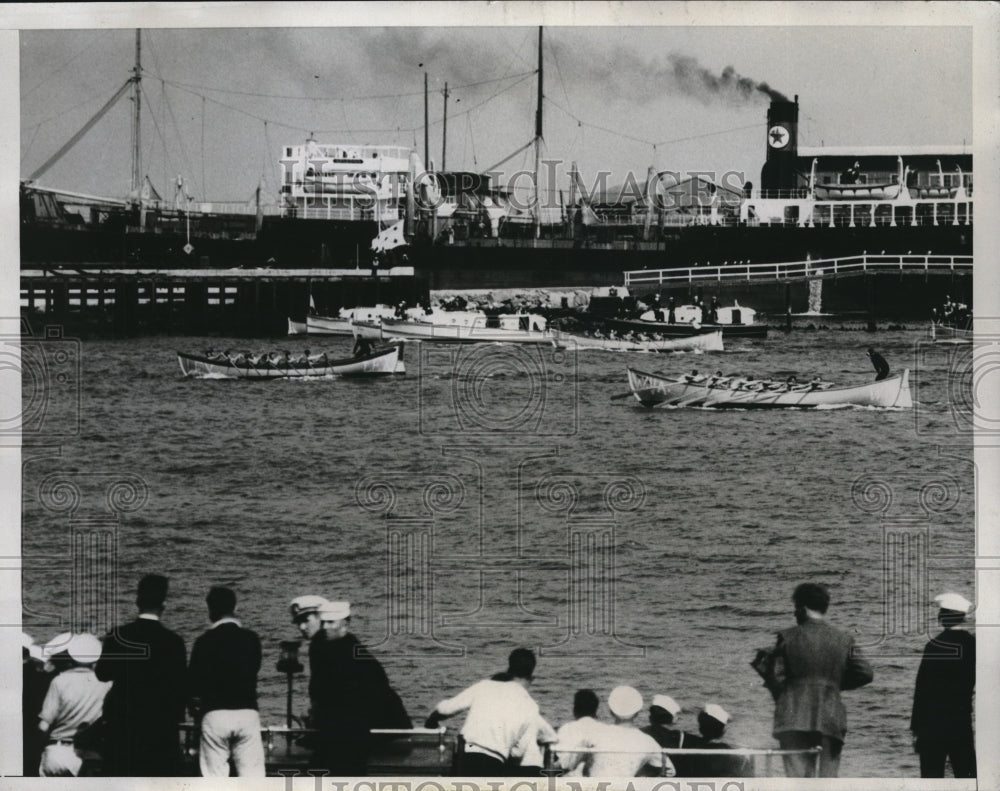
x,y
433,751
850,266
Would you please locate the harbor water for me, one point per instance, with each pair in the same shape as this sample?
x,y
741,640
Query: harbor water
x,y
503,496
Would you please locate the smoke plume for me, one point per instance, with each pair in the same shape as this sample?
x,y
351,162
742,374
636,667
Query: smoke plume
x,y
694,79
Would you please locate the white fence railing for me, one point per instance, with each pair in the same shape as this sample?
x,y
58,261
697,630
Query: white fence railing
x,y
745,271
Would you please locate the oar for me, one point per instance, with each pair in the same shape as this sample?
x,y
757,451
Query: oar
x,y
622,395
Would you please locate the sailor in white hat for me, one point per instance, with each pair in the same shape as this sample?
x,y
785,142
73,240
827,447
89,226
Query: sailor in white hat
x,y
941,721
350,694
335,617
663,712
34,685
712,721
621,750
305,614
75,698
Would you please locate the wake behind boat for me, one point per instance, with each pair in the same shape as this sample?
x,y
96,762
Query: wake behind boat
x,y
381,361
654,389
704,342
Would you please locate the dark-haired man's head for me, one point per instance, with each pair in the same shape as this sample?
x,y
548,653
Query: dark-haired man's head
x,y
810,596
221,602
585,703
151,593
521,663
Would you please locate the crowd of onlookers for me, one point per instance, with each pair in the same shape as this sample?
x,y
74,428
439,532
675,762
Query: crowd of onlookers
x,y
114,706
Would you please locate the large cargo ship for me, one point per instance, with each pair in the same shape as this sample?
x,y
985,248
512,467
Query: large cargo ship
x,y
361,205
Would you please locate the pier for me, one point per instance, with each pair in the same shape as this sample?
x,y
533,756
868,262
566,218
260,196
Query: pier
x,y
239,302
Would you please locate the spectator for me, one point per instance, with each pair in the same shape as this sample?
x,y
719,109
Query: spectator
x,y
942,700
580,729
350,694
147,663
813,663
74,699
663,713
501,716
712,721
34,685
622,750
225,661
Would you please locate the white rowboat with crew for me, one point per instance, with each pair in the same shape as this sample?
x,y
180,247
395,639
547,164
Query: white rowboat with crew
x,y
380,361
653,389
705,342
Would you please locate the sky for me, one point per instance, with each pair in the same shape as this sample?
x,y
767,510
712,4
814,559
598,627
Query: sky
x,y
218,104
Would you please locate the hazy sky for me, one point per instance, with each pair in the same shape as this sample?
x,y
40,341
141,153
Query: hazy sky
x,y
219,103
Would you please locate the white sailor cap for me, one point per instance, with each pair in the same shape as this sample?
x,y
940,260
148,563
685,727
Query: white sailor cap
x,y
625,702
335,610
953,601
666,703
85,649
34,649
305,605
716,712
57,645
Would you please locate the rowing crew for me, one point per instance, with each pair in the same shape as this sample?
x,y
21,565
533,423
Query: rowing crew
x,y
630,336
266,359
750,383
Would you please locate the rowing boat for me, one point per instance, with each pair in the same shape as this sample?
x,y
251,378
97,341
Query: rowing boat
x,y
459,327
704,342
341,324
381,361
653,389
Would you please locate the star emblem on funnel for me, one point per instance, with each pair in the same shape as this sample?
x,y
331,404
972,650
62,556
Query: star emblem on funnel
x,y
777,137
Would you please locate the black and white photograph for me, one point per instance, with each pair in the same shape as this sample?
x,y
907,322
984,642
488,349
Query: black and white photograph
x,y
501,395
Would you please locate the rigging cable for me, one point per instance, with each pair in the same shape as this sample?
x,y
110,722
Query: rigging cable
x,y
380,97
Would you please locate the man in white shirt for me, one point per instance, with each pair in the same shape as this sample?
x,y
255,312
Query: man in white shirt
x,y
502,717
580,730
622,750
75,698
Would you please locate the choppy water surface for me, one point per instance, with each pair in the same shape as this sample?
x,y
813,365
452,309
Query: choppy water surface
x,y
526,506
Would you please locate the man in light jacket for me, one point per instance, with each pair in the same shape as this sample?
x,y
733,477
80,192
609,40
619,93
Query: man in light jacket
x,y
814,662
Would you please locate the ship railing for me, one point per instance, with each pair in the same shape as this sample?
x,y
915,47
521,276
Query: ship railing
x,y
746,271
768,754
433,751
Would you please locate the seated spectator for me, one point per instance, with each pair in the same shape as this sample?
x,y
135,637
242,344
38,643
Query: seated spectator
x,y
712,722
579,730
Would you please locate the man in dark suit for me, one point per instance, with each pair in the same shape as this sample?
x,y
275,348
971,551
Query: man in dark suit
x,y
813,663
942,700
350,694
222,677
147,663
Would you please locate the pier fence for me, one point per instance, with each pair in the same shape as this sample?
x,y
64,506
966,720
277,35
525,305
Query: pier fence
x,y
808,269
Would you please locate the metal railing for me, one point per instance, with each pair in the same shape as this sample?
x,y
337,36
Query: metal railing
x,y
282,748
747,272
747,752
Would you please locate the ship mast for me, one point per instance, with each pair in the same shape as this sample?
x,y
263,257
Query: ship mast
x,y
136,126
538,135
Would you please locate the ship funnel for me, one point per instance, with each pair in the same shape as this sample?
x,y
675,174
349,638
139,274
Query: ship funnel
x,y
779,171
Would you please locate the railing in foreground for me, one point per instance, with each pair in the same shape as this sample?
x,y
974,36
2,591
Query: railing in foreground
x,y
744,271
432,751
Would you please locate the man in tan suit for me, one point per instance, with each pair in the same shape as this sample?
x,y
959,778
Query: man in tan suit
x,y
813,663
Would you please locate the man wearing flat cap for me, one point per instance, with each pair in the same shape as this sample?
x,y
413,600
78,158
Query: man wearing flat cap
x,y
147,663
942,700
350,695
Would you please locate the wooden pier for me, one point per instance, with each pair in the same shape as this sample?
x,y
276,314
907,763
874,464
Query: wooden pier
x,y
250,303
